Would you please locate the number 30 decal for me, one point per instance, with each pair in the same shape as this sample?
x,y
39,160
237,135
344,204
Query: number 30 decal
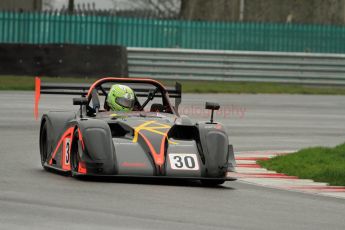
x,y
183,161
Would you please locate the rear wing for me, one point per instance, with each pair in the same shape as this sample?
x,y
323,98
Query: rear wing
x,y
81,89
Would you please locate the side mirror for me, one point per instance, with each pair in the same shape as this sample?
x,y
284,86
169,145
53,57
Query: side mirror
x,y
212,106
80,101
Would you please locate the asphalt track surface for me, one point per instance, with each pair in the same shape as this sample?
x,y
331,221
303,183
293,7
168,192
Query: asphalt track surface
x,y
31,198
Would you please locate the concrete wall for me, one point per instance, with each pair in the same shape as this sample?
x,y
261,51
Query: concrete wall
x,y
63,60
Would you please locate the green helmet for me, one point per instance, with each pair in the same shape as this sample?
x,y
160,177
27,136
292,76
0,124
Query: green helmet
x,y
121,98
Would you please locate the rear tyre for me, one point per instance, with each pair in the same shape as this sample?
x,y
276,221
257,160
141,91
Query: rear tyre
x,y
43,144
212,182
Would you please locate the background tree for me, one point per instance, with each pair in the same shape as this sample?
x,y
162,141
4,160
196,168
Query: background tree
x,y
48,5
163,8
223,10
71,6
296,11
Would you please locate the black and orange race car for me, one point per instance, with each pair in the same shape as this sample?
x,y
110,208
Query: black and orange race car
x,y
152,141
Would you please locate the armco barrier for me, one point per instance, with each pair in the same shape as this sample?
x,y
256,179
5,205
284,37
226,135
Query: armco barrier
x,y
249,66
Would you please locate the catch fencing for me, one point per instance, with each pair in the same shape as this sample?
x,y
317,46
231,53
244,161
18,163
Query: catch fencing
x,y
280,67
60,28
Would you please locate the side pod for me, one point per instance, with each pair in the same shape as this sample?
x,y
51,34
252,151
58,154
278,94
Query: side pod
x,y
215,147
99,153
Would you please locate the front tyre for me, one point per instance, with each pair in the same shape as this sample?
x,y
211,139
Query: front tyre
x,y
75,157
43,144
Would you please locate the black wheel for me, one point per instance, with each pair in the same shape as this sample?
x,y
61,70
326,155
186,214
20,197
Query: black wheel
x,y
213,182
43,144
75,153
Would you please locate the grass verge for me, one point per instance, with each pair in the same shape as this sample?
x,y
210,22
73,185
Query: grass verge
x,y
319,164
256,88
27,83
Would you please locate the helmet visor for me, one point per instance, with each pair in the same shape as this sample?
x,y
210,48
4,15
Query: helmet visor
x,y
124,102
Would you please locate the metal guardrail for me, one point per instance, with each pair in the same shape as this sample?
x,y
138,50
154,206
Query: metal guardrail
x,y
280,67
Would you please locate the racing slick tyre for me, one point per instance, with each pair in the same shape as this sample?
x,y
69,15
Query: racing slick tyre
x,y
212,183
43,144
75,154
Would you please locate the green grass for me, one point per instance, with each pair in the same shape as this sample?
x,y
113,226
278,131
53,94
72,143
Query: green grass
x,y
319,164
27,83
256,88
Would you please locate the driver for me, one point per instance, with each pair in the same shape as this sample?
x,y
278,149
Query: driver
x,y
121,98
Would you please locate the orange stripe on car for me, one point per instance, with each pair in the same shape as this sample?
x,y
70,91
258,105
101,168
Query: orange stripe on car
x,y
67,133
147,80
158,158
82,168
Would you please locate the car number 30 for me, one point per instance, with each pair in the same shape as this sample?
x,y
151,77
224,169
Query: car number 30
x,y
183,161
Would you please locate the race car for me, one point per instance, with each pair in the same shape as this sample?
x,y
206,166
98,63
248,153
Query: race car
x,y
151,141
